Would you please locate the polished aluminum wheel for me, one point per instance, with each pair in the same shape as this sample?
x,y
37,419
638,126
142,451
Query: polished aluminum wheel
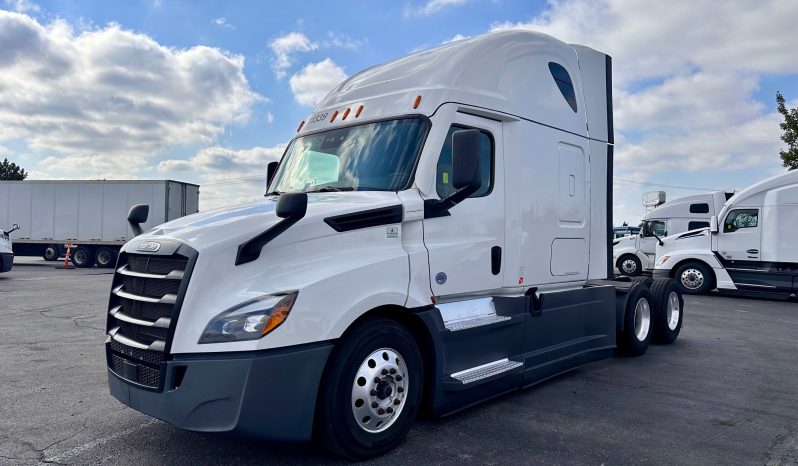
x,y
642,319
674,310
692,279
379,390
629,266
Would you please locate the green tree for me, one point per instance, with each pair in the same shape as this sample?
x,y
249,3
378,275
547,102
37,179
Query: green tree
x,y
789,157
11,171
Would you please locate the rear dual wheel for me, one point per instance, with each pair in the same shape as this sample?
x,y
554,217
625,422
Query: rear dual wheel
x,y
651,315
371,391
668,310
636,334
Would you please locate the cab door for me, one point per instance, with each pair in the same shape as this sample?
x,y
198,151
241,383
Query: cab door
x,y
466,248
740,236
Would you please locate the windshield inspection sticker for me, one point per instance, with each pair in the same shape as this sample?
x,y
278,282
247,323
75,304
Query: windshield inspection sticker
x,y
392,232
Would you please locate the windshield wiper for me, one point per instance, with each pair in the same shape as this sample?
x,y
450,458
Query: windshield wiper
x,y
273,193
331,189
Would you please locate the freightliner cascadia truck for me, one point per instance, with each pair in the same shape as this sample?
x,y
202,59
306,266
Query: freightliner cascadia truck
x,y
437,233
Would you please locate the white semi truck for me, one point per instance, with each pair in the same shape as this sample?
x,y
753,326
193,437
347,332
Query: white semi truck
x,y
6,249
635,254
436,234
89,215
749,247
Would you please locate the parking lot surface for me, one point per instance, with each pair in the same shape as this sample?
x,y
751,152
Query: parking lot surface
x,y
725,393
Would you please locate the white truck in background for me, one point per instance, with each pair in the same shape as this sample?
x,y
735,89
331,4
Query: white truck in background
x,y
90,215
750,246
636,254
6,249
437,234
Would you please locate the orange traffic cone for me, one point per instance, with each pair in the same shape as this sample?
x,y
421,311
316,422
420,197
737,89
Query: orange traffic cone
x,y
67,265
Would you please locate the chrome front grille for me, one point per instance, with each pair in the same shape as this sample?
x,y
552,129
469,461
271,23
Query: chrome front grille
x,y
145,299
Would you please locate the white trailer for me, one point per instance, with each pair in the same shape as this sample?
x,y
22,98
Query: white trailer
x,y
437,233
749,247
91,215
636,254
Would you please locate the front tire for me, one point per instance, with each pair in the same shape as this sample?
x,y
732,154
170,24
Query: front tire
x,y
694,278
637,332
629,265
371,392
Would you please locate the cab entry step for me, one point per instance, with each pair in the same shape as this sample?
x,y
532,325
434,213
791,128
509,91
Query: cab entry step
x,y
475,374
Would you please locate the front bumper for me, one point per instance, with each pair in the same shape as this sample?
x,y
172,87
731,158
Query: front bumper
x,y
6,261
268,394
661,273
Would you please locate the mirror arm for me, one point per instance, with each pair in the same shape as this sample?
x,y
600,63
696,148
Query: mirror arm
x,y
440,207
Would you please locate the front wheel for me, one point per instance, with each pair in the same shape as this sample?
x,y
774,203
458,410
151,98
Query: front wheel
x,y
371,391
630,265
694,278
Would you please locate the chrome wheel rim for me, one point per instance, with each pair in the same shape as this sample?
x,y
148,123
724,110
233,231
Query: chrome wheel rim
x,y
379,391
692,279
642,319
674,310
629,266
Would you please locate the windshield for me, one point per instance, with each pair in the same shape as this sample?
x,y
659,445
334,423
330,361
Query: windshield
x,y
377,156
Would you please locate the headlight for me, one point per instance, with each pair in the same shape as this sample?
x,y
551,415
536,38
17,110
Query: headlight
x,y
250,320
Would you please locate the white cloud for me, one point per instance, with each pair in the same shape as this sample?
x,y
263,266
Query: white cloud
x,y
269,118
227,176
222,23
685,76
341,41
22,6
285,48
315,81
432,7
103,101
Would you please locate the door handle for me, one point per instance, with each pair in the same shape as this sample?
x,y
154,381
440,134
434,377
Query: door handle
x,y
752,251
495,260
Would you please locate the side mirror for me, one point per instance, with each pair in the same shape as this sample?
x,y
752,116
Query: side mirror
x,y
713,224
271,170
136,216
14,227
466,147
292,205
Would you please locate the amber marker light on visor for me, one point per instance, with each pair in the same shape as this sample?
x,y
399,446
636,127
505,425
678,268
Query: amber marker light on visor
x,y
346,114
300,126
335,114
359,110
417,102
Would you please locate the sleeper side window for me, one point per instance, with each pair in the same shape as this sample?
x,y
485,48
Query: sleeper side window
x,y
443,176
564,83
741,218
702,208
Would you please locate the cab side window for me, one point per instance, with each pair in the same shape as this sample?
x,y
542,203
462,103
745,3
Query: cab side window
x,y
654,227
742,218
443,177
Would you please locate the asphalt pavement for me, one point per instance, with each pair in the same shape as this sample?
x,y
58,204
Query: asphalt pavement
x,y
725,393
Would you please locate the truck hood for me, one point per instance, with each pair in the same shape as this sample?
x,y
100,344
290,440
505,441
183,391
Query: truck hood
x,y
237,224
699,239
624,241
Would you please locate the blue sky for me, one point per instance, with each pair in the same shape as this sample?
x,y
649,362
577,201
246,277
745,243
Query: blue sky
x,y
695,83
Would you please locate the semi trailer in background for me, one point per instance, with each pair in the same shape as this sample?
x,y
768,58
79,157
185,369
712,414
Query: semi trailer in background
x,y
635,254
749,246
89,215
